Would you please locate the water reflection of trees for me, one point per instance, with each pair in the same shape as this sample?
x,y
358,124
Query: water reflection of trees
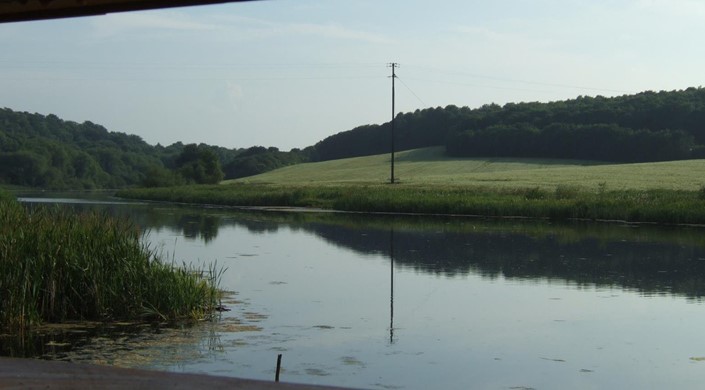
x,y
198,226
648,267
652,260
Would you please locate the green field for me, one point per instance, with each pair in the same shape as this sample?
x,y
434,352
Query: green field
x,y
429,183
430,167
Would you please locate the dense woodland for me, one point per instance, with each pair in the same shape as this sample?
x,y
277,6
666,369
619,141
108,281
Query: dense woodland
x,y
649,126
48,152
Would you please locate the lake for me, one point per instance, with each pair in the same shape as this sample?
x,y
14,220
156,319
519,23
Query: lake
x,y
405,302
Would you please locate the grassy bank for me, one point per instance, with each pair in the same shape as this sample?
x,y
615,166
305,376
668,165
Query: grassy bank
x,y
58,266
431,183
564,202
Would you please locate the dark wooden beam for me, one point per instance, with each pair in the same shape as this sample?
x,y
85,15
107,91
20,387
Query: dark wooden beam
x,y
25,10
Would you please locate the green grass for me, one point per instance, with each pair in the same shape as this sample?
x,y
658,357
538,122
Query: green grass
x,y
668,192
56,266
430,167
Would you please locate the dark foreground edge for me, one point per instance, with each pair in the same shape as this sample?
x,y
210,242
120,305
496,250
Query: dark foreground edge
x,y
42,374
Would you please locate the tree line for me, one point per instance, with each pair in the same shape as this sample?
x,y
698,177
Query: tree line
x,y
649,126
44,151
48,152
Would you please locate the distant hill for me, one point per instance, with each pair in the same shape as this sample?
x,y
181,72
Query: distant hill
x,y
44,151
649,126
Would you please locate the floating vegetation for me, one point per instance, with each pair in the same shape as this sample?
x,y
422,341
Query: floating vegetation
x,y
553,360
254,317
136,346
234,325
316,372
236,328
57,266
324,327
351,361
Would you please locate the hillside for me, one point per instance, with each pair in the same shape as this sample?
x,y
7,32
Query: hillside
x,y
47,152
644,127
430,166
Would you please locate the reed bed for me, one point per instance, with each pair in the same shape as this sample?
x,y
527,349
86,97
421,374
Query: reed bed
x,y
57,266
560,203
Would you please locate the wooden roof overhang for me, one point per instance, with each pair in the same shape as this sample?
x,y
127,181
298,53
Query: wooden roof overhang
x,y
25,10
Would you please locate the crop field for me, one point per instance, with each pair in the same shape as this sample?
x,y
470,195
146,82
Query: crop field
x,y
430,166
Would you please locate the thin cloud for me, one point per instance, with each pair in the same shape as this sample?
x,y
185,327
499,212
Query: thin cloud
x,y
233,26
677,8
260,28
338,32
123,23
490,37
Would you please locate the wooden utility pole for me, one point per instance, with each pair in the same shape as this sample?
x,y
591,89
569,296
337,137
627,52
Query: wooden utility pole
x,y
393,65
391,284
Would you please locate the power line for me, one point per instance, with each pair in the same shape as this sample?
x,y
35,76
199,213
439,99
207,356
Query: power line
x,y
158,79
24,64
412,92
68,65
476,85
530,82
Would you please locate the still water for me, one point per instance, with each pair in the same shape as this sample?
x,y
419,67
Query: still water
x,y
396,302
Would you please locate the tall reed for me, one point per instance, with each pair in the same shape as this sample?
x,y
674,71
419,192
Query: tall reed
x,y
56,265
656,206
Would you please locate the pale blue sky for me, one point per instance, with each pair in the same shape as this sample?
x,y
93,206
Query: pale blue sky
x,y
288,73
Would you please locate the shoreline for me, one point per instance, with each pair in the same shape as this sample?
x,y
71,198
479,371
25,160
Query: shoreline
x,y
660,207
18,373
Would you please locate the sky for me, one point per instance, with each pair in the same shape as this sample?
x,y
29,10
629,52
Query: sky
x,y
289,73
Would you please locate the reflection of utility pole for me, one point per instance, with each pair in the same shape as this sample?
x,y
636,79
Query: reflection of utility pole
x,y
391,295
393,65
